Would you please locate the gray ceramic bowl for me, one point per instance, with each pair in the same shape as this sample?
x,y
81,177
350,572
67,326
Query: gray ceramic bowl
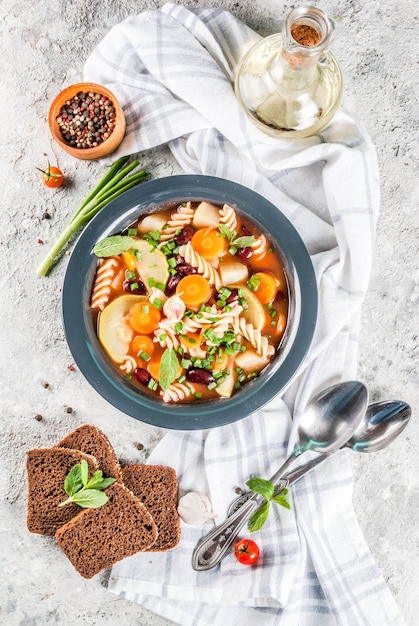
x,y
91,359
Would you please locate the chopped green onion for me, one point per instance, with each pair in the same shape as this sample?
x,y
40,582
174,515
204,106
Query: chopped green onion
x,y
198,395
152,384
185,363
143,355
181,379
157,303
151,282
130,274
133,232
253,282
145,309
134,286
163,336
109,187
212,386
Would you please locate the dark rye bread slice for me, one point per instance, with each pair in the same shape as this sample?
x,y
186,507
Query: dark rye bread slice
x,y
47,469
92,440
157,487
98,538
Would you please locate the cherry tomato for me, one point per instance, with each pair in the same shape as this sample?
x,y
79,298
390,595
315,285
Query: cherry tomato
x,y
52,176
246,551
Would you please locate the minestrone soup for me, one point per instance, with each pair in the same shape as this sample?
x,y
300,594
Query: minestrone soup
x,y
190,303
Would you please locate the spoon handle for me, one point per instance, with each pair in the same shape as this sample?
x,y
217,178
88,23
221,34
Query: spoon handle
x,y
291,477
212,548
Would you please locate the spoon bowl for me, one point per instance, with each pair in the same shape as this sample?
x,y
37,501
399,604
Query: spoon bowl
x,y
329,420
381,424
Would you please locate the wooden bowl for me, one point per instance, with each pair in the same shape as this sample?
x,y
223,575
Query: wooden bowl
x,y
107,146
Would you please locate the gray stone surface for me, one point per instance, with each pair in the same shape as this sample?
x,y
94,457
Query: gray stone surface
x,y
42,48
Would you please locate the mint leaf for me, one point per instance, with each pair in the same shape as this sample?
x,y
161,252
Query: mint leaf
x,y
84,492
282,500
110,246
90,498
169,367
73,481
226,232
98,482
259,485
243,242
84,472
259,517
266,489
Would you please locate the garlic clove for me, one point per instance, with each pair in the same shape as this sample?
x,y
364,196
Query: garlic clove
x,y
195,508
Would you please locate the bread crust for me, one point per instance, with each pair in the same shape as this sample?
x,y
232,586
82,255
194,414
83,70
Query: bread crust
x,y
99,538
156,487
47,469
91,440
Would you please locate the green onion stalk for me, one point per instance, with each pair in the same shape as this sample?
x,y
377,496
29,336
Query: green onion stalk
x,y
115,182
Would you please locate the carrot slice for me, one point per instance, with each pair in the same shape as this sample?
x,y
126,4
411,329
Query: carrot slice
x,y
209,244
194,290
143,317
142,343
154,369
266,288
128,259
191,340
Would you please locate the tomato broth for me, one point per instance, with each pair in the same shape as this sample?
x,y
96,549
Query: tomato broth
x,y
191,302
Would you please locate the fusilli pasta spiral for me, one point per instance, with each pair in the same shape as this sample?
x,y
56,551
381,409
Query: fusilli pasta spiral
x,y
260,246
165,334
254,336
103,283
204,268
129,364
177,392
179,219
228,217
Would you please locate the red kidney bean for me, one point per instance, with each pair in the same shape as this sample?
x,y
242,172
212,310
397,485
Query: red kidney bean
x,y
199,375
172,284
185,235
233,297
135,286
280,296
142,375
244,253
184,269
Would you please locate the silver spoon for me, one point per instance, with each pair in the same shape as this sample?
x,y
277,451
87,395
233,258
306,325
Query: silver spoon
x,y
381,424
326,424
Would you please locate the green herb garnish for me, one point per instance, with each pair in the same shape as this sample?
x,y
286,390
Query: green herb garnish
x,y
234,241
266,489
110,186
111,246
169,367
86,493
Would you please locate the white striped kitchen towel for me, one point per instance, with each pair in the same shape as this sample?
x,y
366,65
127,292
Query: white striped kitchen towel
x,y
172,70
